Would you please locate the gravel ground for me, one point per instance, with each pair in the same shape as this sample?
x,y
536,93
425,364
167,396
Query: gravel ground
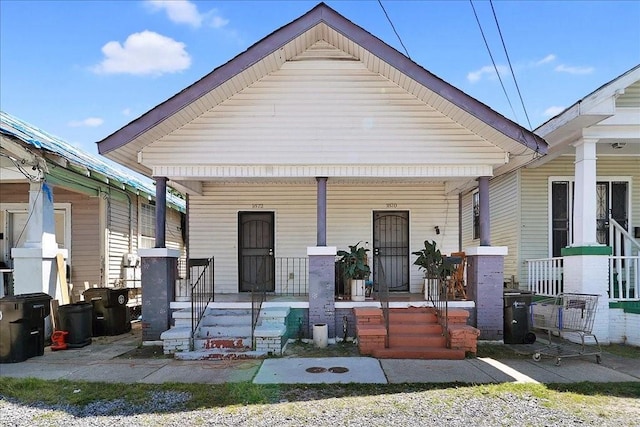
x,y
448,407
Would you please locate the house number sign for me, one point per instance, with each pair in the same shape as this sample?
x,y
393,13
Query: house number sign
x,y
257,206
392,205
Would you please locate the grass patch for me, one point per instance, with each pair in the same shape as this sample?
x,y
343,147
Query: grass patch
x,y
623,350
233,394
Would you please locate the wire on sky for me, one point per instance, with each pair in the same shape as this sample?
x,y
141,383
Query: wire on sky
x,y
495,67
510,67
394,29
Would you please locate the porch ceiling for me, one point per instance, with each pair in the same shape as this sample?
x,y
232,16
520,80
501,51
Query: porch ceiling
x,y
321,24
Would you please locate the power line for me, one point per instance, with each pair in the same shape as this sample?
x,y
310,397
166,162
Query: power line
x,y
495,67
510,67
394,29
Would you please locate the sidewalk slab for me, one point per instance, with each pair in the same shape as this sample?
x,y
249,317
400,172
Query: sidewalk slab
x,y
571,370
327,370
441,371
206,372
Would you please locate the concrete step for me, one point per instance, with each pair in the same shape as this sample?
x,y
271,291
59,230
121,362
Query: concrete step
x,y
218,354
418,353
231,343
226,320
410,340
223,331
227,312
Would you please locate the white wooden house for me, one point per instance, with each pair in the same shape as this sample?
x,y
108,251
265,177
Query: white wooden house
x,y
582,197
317,137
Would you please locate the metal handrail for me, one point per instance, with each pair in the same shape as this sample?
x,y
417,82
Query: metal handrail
x,y
258,295
440,302
201,292
382,289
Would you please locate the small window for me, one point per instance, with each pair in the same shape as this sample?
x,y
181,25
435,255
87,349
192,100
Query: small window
x,y
147,225
476,214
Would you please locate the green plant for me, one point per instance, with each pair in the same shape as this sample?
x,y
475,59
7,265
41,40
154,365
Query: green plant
x,y
353,263
431,261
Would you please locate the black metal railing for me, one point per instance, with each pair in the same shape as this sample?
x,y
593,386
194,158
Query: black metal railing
x,y
201,275
291,276
259,285
437,294
381,288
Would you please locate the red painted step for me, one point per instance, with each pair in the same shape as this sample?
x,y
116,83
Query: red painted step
x,y
411,340
416,328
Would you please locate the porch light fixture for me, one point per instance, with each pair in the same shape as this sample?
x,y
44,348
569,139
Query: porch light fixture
x,y
437,229
618,145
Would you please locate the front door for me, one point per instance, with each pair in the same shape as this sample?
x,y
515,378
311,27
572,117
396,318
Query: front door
x,y
255,250
391,249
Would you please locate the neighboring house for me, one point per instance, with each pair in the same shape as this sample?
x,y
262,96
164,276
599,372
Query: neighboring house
x,y
317,137
102,215
584,193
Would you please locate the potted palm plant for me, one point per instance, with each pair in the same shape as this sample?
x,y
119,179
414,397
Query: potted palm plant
x,y
354,268
436,267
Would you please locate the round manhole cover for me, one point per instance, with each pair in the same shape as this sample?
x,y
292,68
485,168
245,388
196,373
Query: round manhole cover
x,y
338,370
316,370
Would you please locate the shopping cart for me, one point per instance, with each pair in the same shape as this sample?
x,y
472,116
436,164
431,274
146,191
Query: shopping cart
x,y
567,312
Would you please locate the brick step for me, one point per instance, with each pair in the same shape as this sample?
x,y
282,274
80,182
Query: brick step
x,y
412,317
410,340
413,310
418,353
415,329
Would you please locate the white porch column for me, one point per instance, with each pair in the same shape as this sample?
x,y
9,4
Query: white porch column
x,y
584,212
34,266
586,262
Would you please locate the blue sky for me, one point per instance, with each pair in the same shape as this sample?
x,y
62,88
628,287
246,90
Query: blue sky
x,y
83,69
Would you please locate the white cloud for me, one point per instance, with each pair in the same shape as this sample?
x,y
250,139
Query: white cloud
x,y
216,20
549,58
186,12
143,54
126,111
553,111
487,70
573,70
90,122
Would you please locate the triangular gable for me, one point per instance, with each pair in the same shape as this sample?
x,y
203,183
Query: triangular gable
x,y
321,24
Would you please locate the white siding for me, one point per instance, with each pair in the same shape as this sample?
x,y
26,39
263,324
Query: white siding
x,y
214,219
119,223
322,112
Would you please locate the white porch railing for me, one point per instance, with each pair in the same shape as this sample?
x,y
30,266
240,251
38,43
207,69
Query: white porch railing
x,y
624,267
545,276
624,277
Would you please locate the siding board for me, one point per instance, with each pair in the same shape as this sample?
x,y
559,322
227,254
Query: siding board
x,y
213,219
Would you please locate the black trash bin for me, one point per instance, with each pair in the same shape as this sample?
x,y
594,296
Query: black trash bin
x,y
110,311
77,320
516,317
22,326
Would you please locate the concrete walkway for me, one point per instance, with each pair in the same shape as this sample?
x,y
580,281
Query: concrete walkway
x,y
100,362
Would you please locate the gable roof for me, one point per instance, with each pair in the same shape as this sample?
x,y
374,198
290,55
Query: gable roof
x,y
267,55
37,138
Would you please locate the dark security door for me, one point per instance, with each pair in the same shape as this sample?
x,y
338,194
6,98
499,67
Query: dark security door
x,y
255,250
391,249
